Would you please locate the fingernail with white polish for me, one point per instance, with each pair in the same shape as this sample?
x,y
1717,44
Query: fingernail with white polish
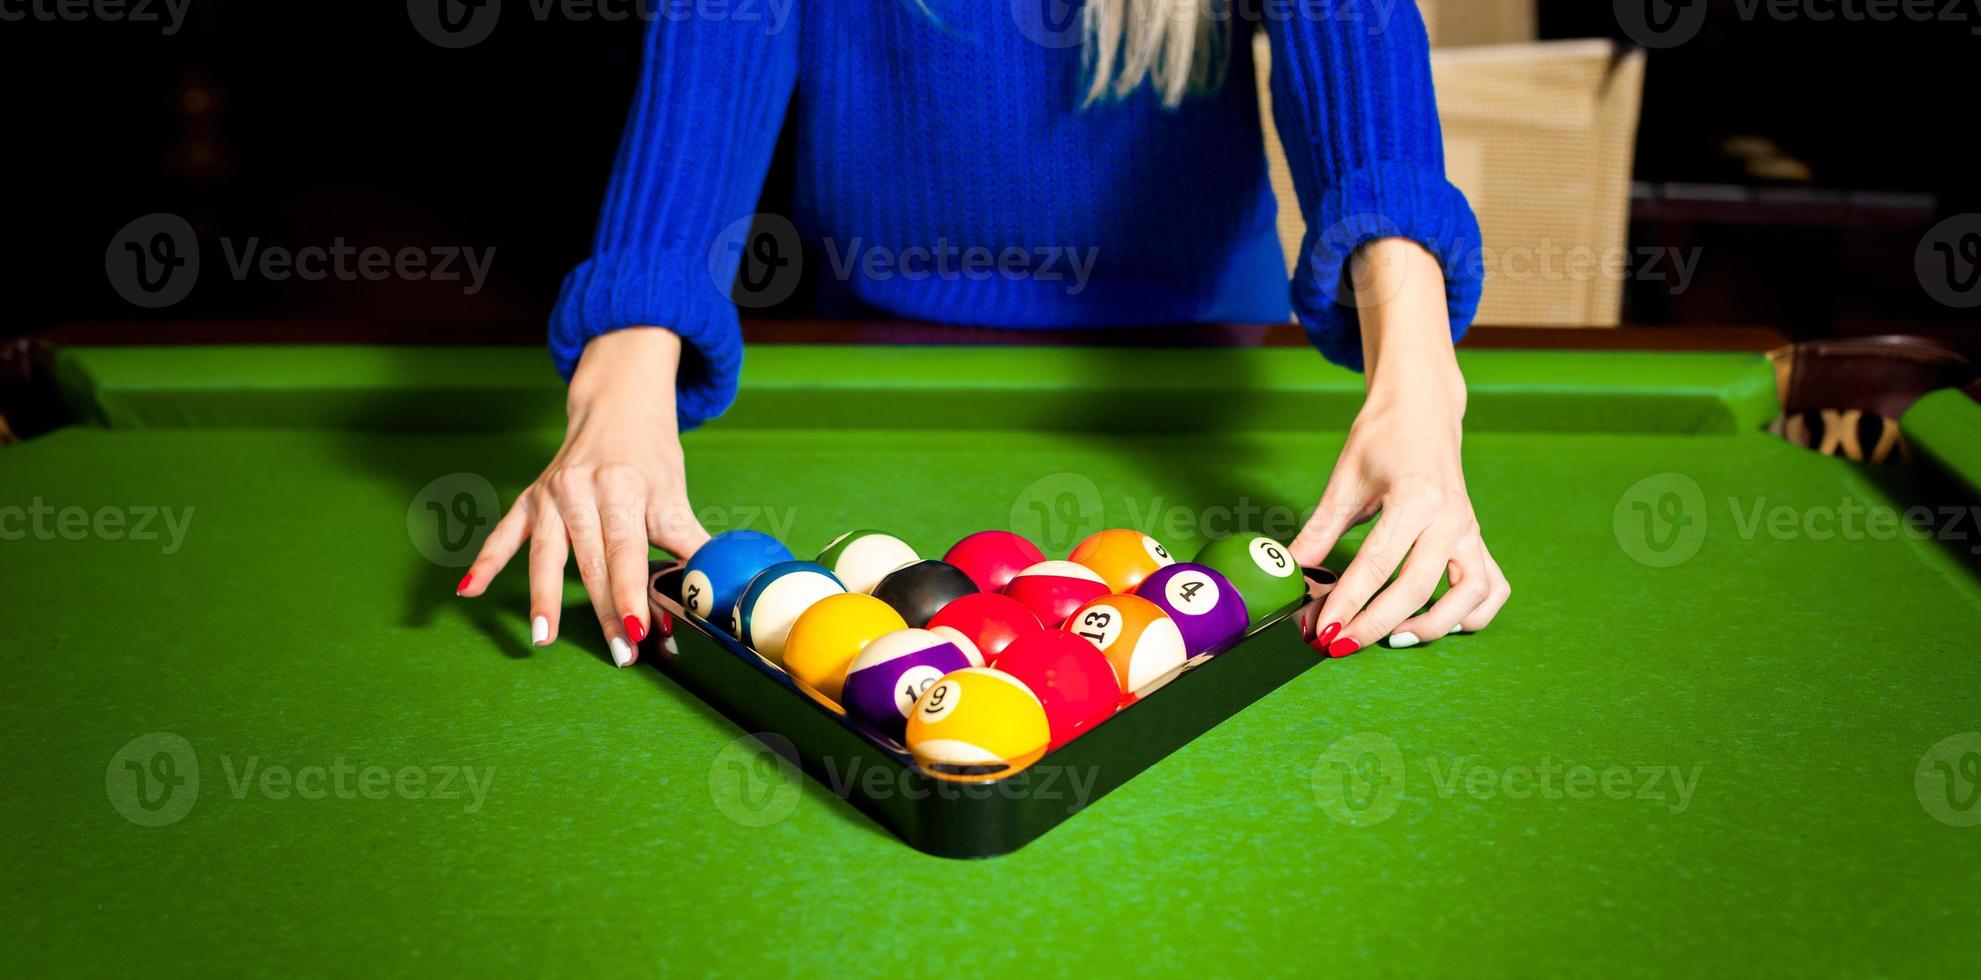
x,y
1399,641
540,630
1455,628
622,652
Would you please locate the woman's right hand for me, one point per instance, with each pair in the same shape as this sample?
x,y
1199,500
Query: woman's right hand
x,y
616,486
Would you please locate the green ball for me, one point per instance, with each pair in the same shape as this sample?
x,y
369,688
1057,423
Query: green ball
x,y
1261,569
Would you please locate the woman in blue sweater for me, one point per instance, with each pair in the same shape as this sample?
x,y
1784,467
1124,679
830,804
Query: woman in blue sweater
x,y
987,126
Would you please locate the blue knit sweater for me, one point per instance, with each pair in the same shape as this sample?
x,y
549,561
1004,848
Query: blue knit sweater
x,y
946,170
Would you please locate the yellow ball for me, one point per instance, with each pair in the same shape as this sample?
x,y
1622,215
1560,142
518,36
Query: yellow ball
x,y
830,635
1122,558
977,721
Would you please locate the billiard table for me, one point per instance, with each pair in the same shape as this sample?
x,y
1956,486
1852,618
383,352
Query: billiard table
x,y
1726,724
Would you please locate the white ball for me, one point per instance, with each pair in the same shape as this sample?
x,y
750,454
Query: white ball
x,y
776,608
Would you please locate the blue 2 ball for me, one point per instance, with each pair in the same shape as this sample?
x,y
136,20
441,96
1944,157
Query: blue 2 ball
x,y
717,575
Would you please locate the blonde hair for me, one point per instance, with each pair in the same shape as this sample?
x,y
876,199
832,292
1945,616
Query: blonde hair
x,y
1177,46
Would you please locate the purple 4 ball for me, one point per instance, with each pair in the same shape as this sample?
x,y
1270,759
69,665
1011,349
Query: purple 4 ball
x,y
1206,608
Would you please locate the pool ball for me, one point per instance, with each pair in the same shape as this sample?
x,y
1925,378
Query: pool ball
x,y
774,600
1071,676
990,620
829,636
1138,638
1201,601
1121,557
1262,571
718,573
977,721
990,558
963,643
1053,589
887,677
862,558
920,590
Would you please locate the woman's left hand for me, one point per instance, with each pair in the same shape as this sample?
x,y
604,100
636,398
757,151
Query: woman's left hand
x,y
1402,466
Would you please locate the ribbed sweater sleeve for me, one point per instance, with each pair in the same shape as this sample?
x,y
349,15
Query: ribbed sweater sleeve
x,y
1357,116
698,140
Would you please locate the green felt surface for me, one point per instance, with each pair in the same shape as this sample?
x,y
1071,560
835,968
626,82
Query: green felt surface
x,y
1946,426
1029,388
1796,679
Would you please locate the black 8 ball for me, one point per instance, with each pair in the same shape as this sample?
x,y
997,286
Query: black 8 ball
x,y
920,589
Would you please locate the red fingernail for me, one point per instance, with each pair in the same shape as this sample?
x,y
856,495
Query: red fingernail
x,y
666,623
465,580
635,630
1343,647
1324,637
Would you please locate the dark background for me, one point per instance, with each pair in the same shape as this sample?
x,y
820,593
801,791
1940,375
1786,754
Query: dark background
x,y
299,123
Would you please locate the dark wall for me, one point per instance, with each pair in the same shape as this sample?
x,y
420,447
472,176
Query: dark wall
x,y
298,123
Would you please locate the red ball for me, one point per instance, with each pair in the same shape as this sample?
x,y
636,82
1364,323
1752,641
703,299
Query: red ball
x,y
989,620
1053,589
1071,677
991,558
